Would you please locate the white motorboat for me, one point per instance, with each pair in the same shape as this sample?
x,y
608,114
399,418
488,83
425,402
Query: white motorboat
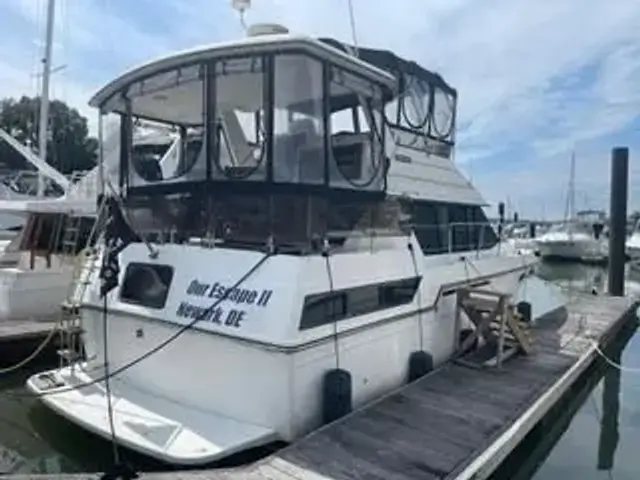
x,y
319,228
37,265
632,244
573,241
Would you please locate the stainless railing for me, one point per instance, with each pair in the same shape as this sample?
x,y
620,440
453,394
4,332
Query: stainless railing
x,y
459,237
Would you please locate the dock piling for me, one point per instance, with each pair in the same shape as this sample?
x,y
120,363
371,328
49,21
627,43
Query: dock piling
x,y
618,219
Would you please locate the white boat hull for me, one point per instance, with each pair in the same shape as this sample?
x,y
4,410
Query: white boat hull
x,y
633,247
577,249
527,246
146,422
204,382
32,293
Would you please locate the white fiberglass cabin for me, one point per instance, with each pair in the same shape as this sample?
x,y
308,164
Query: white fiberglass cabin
x,y
322,225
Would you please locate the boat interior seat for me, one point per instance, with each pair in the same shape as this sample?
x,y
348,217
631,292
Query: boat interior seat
x,y
351,153
241,151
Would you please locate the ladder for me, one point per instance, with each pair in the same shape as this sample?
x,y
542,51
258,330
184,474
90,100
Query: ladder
x,y
504,331
84,265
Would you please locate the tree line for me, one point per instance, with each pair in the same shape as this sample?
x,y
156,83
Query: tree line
x,y
69,145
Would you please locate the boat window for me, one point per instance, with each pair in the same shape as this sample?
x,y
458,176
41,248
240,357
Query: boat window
x,y
442,228
583,227
488,236
240,122
298,142
146,284
171,102
247,220
415,102
392,111
474,225
459,228
430,232
425,114
357,143
328,307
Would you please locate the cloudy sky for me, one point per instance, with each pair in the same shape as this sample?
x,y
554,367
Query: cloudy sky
x,y
536,78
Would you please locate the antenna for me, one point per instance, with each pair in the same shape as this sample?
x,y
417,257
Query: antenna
x,y
241,6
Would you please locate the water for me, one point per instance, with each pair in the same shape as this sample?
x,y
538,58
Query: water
x,y
34,440
583,433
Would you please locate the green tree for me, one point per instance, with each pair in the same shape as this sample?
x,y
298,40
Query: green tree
x,y
69,146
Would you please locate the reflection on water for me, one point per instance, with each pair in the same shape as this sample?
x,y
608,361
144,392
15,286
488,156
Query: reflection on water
x,y
602,439
34,440
591,434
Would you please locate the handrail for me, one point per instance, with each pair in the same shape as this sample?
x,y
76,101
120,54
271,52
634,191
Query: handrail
x,y
476,242
42,167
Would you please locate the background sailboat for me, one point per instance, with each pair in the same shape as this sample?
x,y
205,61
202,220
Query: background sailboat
x,y
578,238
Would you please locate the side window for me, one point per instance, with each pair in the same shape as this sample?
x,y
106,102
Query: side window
x,y
459,228
323,308
357,140
146,285
429,230
474,226
487,235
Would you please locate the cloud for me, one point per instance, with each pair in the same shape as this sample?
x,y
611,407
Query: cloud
x,y
536,79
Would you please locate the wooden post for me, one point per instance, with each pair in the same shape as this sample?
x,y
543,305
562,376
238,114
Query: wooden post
x,y
504,311
618,219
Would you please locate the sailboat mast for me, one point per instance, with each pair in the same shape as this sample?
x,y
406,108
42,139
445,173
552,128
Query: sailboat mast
x,y
572,192
572,185
43,123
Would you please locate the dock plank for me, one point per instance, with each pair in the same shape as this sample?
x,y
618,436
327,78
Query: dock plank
x,y
11,330
439,425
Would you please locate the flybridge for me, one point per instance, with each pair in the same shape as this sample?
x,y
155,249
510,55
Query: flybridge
x,y
426,103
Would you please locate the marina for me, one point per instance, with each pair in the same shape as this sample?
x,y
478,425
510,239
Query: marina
x,y
272,266
455,423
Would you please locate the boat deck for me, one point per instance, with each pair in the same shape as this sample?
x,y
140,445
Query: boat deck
x,y
458,422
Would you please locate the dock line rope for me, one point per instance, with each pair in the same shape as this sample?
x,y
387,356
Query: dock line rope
x,y
610,362
418,293
158,347
326,253
582,333
107,385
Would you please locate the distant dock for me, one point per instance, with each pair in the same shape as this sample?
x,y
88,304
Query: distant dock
x,y
456,423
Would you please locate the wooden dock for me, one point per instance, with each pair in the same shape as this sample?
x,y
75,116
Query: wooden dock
x,y
15,330
457,422
20,338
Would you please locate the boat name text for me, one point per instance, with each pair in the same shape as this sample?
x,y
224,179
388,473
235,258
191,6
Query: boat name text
x,y
218,314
